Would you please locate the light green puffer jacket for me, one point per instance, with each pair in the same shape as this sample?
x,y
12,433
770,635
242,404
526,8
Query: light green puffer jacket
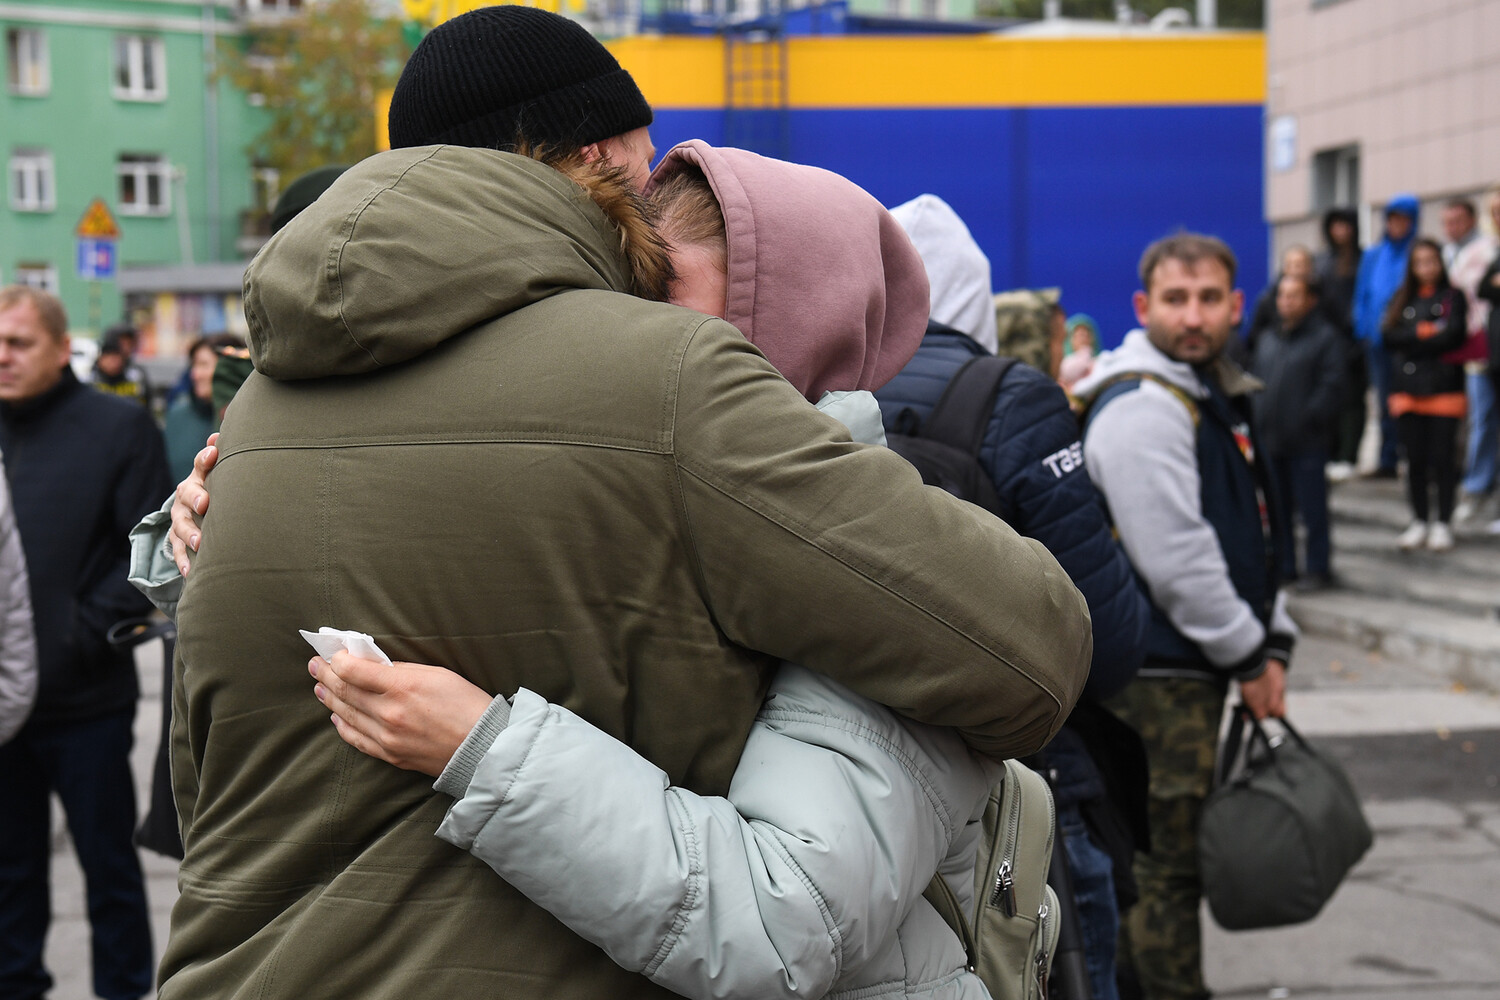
x,y
464,440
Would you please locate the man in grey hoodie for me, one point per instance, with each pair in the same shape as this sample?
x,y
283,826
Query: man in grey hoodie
x,y
1168,441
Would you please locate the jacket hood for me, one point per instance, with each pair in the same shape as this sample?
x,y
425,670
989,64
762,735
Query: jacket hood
x,y
1407,205
413,246
1137,354
820,277
962,296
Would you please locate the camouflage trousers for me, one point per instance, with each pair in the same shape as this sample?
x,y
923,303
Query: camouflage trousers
x,y
1178,719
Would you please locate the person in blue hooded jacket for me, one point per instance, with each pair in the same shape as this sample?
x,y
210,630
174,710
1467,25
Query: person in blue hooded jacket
x,y
1032,454
1381,272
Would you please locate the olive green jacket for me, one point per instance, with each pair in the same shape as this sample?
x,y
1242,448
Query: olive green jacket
x,y
464,440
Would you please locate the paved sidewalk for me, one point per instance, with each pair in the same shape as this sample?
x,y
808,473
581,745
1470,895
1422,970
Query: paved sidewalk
x,y
1418,917
68,940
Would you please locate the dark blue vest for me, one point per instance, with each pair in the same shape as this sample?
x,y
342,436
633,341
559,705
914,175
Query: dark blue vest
x,y
1234,486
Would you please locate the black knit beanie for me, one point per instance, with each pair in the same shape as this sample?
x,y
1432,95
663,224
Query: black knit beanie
x,y
497,75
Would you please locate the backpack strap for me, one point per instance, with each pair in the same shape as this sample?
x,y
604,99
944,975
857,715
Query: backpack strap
x,y
940,894
1087,408
963,411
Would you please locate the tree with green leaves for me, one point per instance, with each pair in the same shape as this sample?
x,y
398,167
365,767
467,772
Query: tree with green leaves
x,y
318,74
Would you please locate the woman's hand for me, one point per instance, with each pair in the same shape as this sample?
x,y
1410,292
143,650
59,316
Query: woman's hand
x,y
408,714
191,503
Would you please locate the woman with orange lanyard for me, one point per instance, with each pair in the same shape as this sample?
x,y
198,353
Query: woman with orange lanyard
x,y
1425,321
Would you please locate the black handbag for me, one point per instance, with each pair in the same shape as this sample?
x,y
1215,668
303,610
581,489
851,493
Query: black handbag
x,y
1279,832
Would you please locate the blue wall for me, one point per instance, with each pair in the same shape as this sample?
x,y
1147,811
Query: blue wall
x,y
1055,196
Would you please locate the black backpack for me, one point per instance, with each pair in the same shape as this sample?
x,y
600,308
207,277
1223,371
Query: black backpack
x,y
945,447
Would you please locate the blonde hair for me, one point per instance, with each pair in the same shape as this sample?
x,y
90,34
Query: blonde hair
x,y
688,214
49,307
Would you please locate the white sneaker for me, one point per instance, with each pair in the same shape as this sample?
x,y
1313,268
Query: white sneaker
x,y
1339,472
1414,537
1440,538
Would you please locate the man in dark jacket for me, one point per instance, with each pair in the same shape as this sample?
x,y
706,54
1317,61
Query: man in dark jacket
x,y
84,467
1032,455
1301,362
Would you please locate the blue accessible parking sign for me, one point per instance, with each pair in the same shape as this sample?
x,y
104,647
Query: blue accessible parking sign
x,y
96,259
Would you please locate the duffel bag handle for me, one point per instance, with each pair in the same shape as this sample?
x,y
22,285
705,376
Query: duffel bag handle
x,y
1236,745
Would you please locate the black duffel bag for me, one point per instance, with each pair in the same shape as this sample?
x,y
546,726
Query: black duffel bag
x,y
1280,831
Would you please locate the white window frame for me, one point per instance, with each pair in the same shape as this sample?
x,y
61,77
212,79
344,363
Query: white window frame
x,y
271,7
28,69
39,276
132,54
140,168
33,182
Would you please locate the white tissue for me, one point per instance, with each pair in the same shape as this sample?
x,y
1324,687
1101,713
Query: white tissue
x,y
328,641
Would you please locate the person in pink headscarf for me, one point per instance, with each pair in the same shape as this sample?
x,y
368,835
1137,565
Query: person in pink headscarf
x,y
808,877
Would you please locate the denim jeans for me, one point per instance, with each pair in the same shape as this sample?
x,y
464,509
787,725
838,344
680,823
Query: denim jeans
x,y
1484,435
87,763
1301,484
1094,899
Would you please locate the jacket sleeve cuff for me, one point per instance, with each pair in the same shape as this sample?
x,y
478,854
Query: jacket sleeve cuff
x,y
1250,667
454,781
1279,646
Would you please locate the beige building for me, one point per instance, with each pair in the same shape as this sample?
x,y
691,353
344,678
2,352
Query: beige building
x,y
1367,99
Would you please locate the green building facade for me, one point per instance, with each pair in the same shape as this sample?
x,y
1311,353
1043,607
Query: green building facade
x,y
118,100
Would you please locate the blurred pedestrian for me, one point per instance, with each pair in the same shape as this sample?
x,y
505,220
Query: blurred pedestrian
x,y
1488,291
83,468
114,371
1381,272
1030,325
1079,350
1466,254
17,635
1296,260
191,419
1338,268
1301,360
1426,319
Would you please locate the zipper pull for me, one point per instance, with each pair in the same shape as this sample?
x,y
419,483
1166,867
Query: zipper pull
x,y
1043,960
1004,895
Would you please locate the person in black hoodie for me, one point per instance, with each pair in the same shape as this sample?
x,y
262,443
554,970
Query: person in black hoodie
x,y
1337,269
1301,360
84,467
1427,318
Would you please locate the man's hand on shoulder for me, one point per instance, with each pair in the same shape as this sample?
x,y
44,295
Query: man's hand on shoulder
x,y
1265,696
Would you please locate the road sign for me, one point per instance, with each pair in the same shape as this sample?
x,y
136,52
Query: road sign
x,y
96,260
97,223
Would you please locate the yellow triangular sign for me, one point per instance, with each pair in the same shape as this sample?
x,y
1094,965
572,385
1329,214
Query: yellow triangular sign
x,y
97,223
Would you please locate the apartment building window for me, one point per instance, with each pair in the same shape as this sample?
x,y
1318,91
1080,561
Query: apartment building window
x,y
145,184
32,188
271,6
1335,176
140,68
26,68
42,277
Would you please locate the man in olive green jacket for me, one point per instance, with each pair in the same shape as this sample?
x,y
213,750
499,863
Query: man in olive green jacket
x,y
464,439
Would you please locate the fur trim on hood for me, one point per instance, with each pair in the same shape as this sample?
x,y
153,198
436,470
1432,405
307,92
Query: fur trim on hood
x,y
820,277
628,211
